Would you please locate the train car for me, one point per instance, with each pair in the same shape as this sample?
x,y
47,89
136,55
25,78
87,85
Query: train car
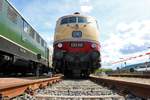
x,y
139,67
76,45
22,49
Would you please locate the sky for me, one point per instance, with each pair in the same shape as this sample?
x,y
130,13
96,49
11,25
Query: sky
x,y
124,24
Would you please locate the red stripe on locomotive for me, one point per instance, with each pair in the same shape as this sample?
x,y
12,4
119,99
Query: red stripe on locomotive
x,y
86,47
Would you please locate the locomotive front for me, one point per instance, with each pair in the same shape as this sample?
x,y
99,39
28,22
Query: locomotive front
x,y
76,45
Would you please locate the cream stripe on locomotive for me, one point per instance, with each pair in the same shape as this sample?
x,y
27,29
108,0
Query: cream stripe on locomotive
x,y
79,40
89,30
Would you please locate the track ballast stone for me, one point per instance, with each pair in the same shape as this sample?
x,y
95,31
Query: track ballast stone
x,y
77,90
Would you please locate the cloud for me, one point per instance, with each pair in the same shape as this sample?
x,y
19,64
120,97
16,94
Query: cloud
x,y
136,37
110,49
85,7
123,27
47,24
134,27
132,48
130,39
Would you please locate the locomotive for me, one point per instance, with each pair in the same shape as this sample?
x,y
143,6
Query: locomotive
x,y
76,46
22,49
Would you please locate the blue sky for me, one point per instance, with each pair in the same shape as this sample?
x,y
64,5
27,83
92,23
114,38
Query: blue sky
x,y
124,24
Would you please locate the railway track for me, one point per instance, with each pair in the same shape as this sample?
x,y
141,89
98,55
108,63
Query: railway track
x,y
95,88
77,90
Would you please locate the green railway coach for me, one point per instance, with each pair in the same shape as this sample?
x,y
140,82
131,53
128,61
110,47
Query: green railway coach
x,y
21,48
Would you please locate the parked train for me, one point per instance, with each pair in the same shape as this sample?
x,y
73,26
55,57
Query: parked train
x,y
139,67
22,49
76,45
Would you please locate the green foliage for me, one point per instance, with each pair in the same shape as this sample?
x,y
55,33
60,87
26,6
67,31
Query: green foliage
x,y
103,70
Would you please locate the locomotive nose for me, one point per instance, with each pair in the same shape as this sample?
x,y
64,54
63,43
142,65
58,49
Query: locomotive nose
x,y
69,58
76,58
95,55
58,54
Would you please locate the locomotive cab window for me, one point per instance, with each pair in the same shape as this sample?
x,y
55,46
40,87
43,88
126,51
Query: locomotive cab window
x,y
82,20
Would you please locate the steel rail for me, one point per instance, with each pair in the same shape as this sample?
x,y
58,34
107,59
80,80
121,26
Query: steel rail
x,y
124,87
40,97
131,75
12,91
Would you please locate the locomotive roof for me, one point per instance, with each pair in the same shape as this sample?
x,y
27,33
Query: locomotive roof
x,y
81,15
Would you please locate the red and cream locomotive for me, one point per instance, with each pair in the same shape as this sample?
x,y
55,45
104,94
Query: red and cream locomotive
x,y
76,45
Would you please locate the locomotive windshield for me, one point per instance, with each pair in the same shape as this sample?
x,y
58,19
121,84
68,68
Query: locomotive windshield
x,y
82,20
73,20
68,20
64,21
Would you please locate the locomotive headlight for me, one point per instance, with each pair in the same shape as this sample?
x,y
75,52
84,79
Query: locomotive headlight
x,y
93,45
59,45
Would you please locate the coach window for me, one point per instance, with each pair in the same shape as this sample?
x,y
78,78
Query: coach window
x,y
26,27
38,38
72,19
12,14
32,33
1,5
64,21
45,44
82,20
42,42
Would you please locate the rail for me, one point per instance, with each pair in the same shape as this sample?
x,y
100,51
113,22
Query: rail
x,y
124,87
131,75
12,91
40,97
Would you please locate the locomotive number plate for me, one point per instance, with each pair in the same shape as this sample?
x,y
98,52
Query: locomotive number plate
x,y
76,45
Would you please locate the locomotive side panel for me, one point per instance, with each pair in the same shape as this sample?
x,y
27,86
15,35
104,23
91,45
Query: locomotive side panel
x,y
19,39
